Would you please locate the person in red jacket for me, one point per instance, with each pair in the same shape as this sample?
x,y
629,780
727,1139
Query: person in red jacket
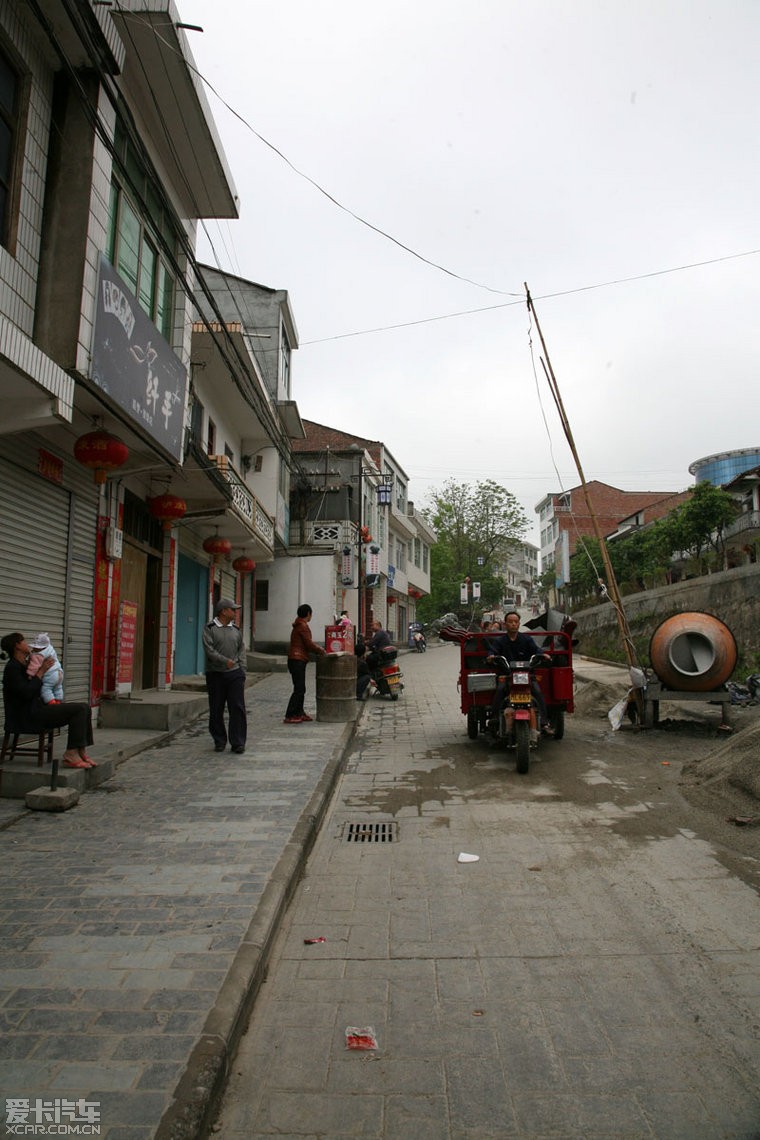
x,y
301,645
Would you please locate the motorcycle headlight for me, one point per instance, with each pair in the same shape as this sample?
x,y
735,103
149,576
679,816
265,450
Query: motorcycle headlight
x,y
521,678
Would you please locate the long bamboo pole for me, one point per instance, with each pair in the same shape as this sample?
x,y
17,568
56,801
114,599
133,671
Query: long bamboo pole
x,y
612,585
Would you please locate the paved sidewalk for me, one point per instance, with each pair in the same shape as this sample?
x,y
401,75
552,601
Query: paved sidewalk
x,y
136,926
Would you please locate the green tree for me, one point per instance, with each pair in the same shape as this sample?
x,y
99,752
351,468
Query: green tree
x,y
586,567
477,527
699,525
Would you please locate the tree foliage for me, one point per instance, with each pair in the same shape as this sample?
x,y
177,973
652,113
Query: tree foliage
x,y
484,522
644,558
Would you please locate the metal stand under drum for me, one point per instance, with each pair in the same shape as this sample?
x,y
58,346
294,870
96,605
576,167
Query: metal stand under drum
x,y
655,692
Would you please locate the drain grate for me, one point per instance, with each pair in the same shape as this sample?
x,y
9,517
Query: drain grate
x,y
370,832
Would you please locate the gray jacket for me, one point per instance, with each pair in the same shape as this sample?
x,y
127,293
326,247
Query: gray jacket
x,y
223,643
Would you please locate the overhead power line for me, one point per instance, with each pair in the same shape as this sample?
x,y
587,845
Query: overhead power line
x,y
540,297
326,193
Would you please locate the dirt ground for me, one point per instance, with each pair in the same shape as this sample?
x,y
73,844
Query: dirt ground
x,y
717,775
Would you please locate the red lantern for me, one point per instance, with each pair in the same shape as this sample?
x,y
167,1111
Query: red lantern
x,y
244,565
167,509
102,452
216,546
391,601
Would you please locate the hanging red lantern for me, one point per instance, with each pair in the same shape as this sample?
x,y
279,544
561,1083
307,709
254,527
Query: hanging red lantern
x,y
244,565
217,547
102,452
391,601
167,509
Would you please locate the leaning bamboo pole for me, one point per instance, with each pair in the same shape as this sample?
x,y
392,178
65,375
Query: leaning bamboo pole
x,y
611,586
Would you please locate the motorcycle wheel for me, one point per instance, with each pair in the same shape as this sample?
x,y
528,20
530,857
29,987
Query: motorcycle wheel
x,y
394,696
522,744
557,721
472,724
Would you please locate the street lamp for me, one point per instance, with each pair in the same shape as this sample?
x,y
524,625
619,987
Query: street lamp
x,y
384,495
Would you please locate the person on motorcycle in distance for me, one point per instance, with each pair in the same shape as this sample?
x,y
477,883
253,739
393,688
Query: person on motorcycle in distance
x,y
516,646
380,640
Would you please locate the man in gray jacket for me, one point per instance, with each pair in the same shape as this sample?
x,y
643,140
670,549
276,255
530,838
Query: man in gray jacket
x,y
225,677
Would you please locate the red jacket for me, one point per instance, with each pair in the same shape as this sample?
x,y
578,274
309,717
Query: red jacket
x,y
301,642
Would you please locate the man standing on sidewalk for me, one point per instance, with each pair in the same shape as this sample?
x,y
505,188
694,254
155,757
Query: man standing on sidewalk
x,y
225,677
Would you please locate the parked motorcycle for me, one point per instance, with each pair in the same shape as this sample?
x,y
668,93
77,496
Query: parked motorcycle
x,y
384,674
517,724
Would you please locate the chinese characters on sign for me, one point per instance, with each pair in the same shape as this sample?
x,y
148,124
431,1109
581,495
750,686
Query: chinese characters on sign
x,y
127,640
132,362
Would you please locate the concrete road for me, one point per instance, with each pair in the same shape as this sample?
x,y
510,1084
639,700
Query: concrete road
x,y
593,974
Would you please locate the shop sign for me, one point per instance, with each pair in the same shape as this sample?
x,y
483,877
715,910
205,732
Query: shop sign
x,y
133,363
49,466
127,642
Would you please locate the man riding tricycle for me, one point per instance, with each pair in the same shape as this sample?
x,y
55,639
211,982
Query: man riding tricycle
x,y
513,688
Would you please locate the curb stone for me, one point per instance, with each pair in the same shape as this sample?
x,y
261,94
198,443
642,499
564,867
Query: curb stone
x,y
198,1093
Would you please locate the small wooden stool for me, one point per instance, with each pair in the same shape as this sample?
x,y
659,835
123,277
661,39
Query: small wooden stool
x,y
43,750
40,746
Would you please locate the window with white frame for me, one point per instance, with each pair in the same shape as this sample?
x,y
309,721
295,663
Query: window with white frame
x,y
141,232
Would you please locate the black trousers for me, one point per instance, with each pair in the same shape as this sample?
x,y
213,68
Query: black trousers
x,y
227,690
297,670
76,717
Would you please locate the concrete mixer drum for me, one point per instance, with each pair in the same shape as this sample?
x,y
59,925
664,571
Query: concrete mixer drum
x,y
693,652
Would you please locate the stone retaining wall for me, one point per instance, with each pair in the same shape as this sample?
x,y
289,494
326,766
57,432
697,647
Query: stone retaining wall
x,y
731,595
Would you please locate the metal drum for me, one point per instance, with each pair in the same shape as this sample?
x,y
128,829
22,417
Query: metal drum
x,y
336,687
693,652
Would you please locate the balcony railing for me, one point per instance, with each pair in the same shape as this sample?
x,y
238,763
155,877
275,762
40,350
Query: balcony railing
x,y
330,533
750,520
244,503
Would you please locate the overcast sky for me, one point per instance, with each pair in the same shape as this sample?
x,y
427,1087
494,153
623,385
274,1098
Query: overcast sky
x,y
565,144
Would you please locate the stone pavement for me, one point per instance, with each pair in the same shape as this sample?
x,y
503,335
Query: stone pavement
x,y
594,974
136,926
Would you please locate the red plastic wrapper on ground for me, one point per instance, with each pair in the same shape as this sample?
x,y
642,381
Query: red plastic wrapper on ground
x,y
361,1038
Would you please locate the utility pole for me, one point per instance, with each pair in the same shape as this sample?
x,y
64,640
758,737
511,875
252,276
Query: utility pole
x,y
611,585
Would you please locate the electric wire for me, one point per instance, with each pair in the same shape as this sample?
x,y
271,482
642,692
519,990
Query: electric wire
x,y
447,316
321,189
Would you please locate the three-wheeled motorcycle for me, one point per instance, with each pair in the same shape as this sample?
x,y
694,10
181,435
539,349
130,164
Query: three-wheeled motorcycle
x,y
515,723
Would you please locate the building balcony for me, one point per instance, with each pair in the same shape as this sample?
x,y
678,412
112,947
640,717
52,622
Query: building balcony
x,y
746,528
330,534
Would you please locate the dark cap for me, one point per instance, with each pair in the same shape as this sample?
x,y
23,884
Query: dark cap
x,y
225,604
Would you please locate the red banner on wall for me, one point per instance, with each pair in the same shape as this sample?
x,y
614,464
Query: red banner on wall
x,y
127,640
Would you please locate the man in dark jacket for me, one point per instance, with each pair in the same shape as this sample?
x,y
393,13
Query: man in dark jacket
x,y
380,640
225,677
516,646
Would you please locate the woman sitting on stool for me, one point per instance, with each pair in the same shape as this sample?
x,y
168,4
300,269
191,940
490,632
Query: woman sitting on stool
x,y
26,712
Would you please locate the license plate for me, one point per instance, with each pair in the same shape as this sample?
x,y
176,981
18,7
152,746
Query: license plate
x,y
519,698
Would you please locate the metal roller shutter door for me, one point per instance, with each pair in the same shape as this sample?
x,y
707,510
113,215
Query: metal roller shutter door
x,y
34,541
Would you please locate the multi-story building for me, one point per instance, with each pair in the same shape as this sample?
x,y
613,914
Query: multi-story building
x,y
109,159
725,466
355,541
565,517
520,574
238,455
